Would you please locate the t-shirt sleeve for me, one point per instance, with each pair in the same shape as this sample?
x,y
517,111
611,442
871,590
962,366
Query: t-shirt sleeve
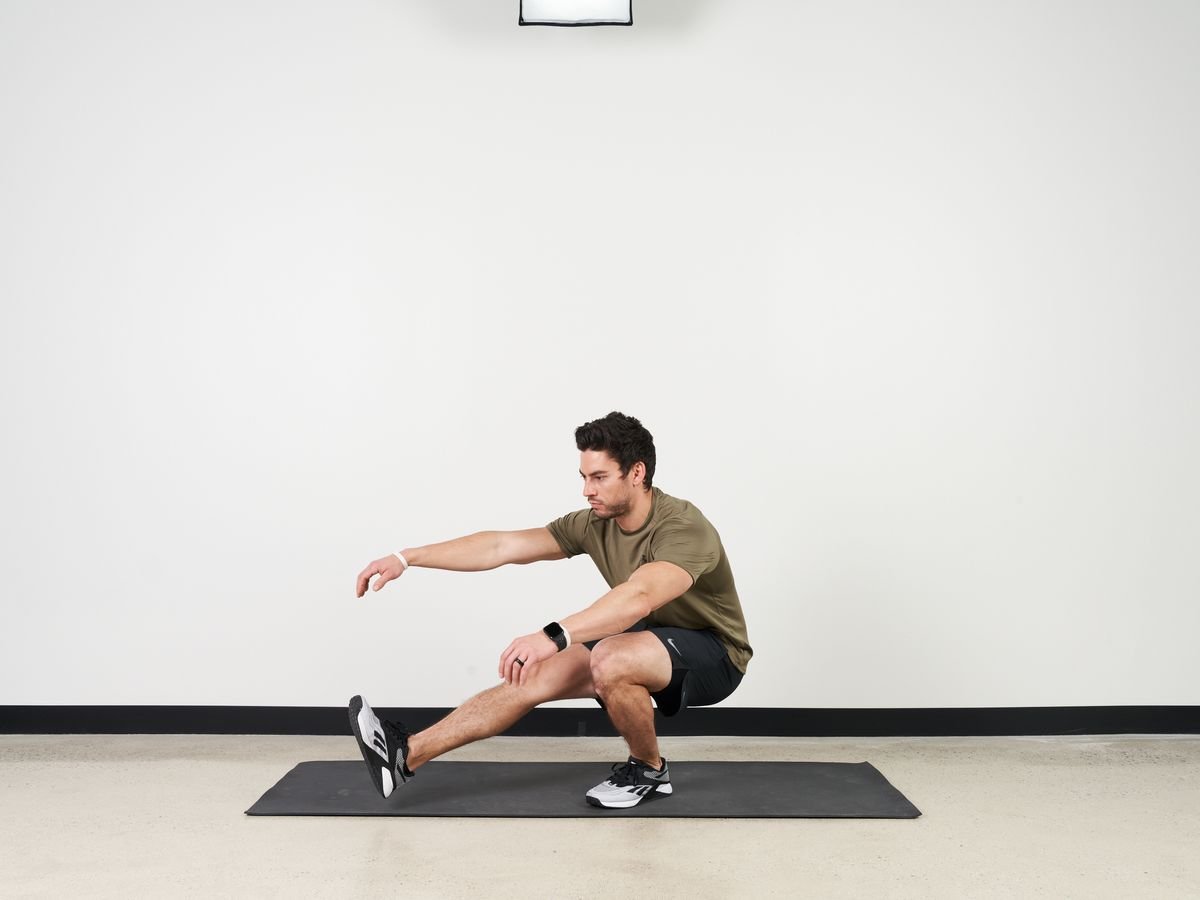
x,y
693,546
569,531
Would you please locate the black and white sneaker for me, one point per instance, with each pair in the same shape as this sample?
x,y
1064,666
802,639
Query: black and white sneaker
x,y
630,784
384,746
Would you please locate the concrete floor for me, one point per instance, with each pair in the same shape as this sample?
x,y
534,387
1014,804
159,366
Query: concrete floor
x,y
162,816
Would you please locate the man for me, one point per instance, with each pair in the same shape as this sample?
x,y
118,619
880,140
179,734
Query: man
x,y
671,627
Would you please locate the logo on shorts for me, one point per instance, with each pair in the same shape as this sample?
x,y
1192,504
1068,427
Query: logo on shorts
x,y
671,641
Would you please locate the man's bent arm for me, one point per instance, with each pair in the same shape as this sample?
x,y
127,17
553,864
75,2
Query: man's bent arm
x,y
486,550
651,586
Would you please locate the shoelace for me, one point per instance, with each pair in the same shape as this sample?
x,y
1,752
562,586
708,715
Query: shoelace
x,y
623,774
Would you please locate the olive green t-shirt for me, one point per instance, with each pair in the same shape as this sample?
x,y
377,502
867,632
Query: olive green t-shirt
x,y
674,532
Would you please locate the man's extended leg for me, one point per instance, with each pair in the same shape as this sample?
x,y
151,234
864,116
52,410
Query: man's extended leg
x,y
566,676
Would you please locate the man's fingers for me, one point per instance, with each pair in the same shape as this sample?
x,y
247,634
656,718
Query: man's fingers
x,y
514,661
520,664
384,568
364,576
505,664
512,665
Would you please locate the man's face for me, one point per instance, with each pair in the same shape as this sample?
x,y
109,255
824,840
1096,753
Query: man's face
x,y
608,491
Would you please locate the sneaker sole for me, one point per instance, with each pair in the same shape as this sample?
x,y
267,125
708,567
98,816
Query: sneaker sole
x,y
659,791
370,757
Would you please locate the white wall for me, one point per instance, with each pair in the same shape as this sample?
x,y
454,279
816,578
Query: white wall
x,y
906,293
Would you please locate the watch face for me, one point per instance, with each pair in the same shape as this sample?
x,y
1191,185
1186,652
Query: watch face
x,y
553,630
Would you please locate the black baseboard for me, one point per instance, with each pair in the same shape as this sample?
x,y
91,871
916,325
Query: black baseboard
x,y
558,721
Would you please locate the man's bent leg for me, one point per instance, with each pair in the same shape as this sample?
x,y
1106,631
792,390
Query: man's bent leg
x,y
566,676
626,669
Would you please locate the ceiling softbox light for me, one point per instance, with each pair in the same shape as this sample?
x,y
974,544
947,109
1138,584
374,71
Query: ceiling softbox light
x,y
576,12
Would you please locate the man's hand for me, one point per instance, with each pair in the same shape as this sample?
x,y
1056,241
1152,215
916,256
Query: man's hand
x,y
531,650
388,569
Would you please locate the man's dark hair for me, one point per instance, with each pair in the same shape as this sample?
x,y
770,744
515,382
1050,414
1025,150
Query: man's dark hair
x,y
624,438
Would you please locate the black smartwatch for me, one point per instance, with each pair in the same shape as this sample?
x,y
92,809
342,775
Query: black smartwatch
x,y
555,632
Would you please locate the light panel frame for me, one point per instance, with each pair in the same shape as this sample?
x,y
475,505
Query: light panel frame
x,y
575,13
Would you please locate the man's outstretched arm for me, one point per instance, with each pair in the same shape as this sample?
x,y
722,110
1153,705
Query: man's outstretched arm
x,y
473,553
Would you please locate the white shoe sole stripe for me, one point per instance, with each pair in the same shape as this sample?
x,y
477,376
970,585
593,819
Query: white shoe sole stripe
x,y
368,723
625,797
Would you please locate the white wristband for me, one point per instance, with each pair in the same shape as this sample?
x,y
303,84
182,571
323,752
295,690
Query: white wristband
x,y
567,635
400,556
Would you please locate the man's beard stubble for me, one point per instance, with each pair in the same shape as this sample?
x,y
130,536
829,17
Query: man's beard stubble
x,y
614,511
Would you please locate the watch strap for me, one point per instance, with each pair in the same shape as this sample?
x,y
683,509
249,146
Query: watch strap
x,y
559,635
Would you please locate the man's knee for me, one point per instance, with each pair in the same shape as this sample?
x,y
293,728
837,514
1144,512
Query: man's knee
x,y
618,661
606,666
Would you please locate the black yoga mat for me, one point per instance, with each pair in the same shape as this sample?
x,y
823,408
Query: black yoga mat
x,y
724,790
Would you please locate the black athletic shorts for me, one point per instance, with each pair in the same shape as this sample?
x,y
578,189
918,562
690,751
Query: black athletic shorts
x,y
701,671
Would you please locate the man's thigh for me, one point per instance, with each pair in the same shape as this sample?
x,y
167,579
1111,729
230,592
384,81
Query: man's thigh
x,y
636,657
